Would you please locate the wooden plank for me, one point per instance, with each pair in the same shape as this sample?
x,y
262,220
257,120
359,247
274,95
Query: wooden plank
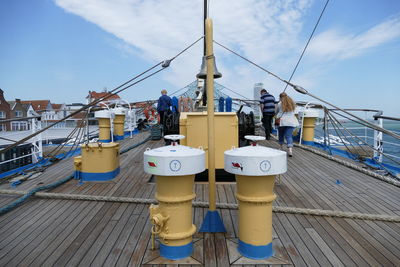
x,y
225,214
287,243
336,242
66,236
209,250
327,252
85,235
373,242
297,240
17,245
109,243
221,251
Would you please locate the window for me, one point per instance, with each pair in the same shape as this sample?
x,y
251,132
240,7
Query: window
x,y
3,127
18,113
19,126
2,114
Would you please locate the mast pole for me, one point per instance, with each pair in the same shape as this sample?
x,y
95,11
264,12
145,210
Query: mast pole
x,y
210,113
212,222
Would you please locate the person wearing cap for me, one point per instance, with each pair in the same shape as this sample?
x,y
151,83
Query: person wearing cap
x,y
267,105
164,102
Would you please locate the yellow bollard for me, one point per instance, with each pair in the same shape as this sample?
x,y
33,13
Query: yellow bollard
x,y
119,122
98,162
255,168
174,167
309,125
103,116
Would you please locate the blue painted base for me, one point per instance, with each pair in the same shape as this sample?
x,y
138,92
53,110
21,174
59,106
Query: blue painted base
x,y
105,140
212,223
307,143
176,252
334,150
91,176
255,252
118,137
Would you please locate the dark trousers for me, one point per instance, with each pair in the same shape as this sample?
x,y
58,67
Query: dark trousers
x,y
161,113
267,123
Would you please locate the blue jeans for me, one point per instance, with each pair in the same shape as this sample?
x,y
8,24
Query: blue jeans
x,y
287,133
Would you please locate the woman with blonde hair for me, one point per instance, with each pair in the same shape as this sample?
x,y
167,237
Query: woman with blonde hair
x,y
286,120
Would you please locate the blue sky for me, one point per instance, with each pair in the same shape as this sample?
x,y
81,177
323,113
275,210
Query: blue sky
x,y
59,50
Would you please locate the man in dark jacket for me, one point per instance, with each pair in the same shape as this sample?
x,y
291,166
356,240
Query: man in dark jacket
x,y
164,102
268,110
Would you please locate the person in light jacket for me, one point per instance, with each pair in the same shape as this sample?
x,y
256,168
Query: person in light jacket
x,y
287,121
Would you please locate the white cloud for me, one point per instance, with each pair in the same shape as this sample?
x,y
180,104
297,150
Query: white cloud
x,y
334,44
264,31
268,32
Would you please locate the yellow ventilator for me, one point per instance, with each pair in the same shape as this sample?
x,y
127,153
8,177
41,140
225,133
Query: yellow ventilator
x,y
255,168
309,116
174,168
103,116
119,122
98,162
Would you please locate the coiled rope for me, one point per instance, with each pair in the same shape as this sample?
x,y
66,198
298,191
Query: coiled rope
x,y
197,204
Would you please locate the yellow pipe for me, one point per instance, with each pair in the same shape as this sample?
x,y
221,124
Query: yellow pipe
x,y
104,129
210,113
255,195
308,129
172,218
119,122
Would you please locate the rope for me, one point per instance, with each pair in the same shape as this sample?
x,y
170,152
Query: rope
x,y
304,91
35,191
277,209
351,165
115,91
308,42
32,192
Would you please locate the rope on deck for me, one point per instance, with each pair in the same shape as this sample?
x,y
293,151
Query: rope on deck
x,y
351,165
35,191
290,210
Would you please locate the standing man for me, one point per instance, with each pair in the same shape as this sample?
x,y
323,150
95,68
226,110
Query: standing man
x,y
268,111
164,102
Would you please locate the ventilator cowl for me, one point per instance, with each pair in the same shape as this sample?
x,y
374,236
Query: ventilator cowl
x,y
255,160
174,160
309,113
102,114
119,111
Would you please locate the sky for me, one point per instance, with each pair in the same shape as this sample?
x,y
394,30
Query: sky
x,y
61,49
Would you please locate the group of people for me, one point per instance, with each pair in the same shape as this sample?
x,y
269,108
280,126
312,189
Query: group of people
x,y
285,120
282,111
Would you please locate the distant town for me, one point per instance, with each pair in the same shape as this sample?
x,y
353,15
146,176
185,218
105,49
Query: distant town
x,y
17,113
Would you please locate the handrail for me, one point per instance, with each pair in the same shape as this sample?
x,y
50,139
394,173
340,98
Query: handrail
x,y
386,118
19,119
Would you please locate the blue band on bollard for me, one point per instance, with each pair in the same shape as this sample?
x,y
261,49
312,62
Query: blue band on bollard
x,y
255,252
307,143
105,140
176,252
118,137
100,176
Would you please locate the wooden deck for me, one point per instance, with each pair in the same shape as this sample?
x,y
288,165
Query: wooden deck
x,y
49,232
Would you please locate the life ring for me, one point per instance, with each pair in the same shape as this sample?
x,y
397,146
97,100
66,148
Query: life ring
x,y
150,113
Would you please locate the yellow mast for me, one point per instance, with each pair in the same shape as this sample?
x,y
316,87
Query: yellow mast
x,y
210,113
212,222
